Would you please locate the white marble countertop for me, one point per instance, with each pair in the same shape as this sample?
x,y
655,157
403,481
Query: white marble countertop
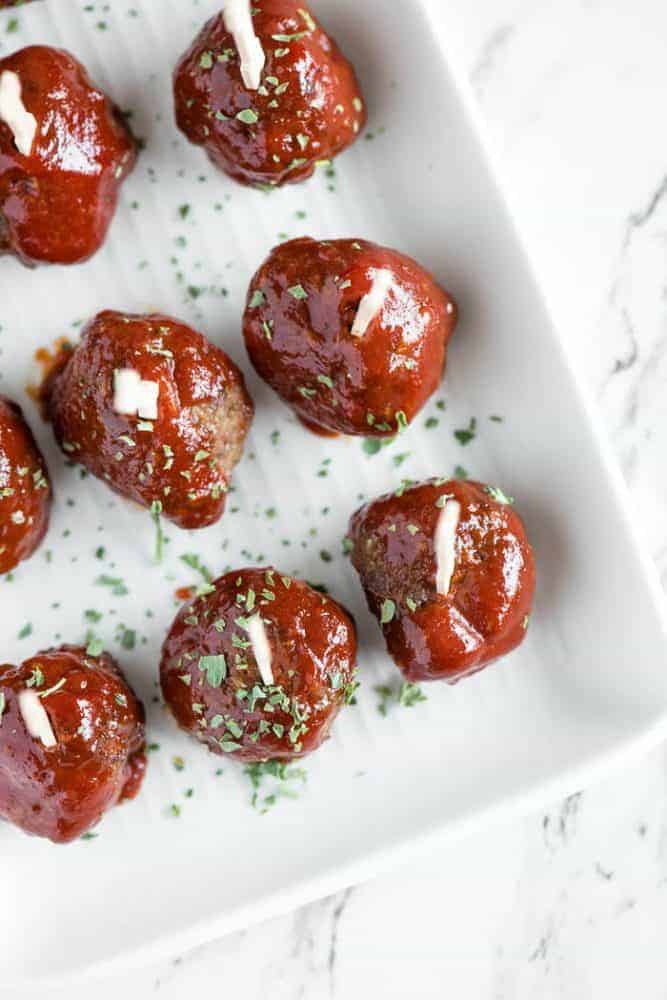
x,y
571,902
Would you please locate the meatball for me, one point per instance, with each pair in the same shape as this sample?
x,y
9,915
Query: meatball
x,y
71,742
449,573
25,491
267,93
64,152
350,334
259,667
153,408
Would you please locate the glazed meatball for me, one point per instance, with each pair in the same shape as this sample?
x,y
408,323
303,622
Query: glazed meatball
x,y
267,93
64,152
350,334
71,742
259,667
154,409
448,571
25,491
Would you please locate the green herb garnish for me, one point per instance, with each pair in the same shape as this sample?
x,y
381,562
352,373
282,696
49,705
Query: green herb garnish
x,y
94,646
215,668
497,494
248,116
466,434
156,511
387,611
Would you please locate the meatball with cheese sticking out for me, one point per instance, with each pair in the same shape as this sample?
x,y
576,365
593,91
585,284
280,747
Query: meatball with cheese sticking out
x,y
448,572
155,410
350,334
71,742
267,93
64,153
25,490
259,667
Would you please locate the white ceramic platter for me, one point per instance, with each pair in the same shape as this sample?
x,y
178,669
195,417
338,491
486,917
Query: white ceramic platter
x,y
589,684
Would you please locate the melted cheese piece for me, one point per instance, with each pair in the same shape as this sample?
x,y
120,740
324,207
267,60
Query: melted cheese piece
x,y
134,396
445,545
261,647
372,302
36,720
15,114
238,22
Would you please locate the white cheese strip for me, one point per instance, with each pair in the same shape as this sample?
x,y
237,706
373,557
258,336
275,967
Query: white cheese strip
x,y
372,302
261,647
238,22
36,720
445,545
134,396
15,114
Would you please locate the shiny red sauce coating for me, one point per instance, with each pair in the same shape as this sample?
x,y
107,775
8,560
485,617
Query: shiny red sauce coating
x,y
48,360
299,315
57,203
308,107
25,490
224,701
60,792
484,614
182,460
